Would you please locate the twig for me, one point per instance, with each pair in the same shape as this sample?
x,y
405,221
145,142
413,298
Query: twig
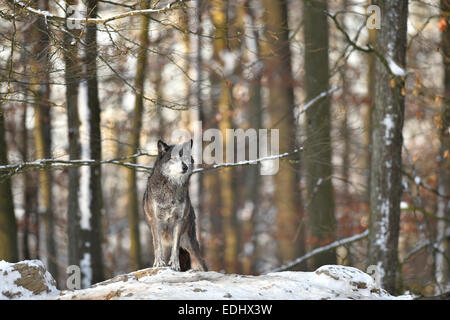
x,y
249,162
12,169
49,16
424,185
317,251
366,49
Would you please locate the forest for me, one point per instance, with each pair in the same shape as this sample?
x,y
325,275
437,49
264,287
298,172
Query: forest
x,y
350,97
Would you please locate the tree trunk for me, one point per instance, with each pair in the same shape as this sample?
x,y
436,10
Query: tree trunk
x,y
227,208
367,142
42,130
92,238
318,141
132,192
72,78
281,110
253,177
8,226
443,210
387,141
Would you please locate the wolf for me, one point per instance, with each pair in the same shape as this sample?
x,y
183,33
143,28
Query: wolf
x,y
168,209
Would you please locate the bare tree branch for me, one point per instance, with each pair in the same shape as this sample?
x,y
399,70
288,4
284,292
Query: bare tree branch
x,y
317,251
49,16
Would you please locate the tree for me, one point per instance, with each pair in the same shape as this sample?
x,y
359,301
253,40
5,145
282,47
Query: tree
x,y
255,111
8,226
442,272
221,47
72,75
133,201
30,186
387,142
92,233
277,60
319,170
40,67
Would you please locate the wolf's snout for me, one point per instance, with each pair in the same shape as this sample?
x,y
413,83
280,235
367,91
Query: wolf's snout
x,y
184,166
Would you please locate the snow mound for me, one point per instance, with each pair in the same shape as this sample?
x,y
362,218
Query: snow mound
x,y
26,280
327,282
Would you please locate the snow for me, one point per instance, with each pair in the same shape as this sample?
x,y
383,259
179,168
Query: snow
x,y
327,282
404,205
85,196
389,125
230,59
417,180
396,69
10,286
86,269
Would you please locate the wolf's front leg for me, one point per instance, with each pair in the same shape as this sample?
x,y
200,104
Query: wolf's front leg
x,y
157,245
174,261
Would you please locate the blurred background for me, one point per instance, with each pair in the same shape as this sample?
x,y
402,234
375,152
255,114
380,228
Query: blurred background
x,y
109,89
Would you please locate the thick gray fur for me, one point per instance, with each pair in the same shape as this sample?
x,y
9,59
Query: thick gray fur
x,y
168,208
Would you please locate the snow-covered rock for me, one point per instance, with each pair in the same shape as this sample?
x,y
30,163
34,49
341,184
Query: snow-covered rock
x,y
26,280
327,282
30,280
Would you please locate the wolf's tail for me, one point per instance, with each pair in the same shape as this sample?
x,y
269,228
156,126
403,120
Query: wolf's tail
x,y
185,260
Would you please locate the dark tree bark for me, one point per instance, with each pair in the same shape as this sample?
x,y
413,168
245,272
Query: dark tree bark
x,y
387,141
72,77
253,177
8,226
318,141
93,236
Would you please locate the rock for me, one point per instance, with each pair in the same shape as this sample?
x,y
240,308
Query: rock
x,y
26,280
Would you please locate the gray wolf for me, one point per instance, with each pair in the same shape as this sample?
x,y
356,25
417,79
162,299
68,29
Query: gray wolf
x,y
168,209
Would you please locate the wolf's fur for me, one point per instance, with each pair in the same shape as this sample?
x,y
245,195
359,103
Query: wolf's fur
x,y
168,209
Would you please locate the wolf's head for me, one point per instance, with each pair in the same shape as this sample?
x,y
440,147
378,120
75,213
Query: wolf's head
x,y
176,162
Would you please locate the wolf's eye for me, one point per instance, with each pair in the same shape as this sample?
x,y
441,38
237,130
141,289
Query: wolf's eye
x,y
181,152
192,160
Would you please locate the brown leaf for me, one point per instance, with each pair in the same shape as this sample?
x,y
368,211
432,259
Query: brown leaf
x,y
392,83
442,25
419,115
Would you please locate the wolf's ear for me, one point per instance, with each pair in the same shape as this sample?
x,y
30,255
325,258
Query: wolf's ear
x,y
162,147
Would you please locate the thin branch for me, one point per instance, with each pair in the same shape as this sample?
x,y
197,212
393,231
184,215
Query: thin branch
x,y
249,162
365,49
320,96
423,245
317,251
12,169
49,16
420,182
